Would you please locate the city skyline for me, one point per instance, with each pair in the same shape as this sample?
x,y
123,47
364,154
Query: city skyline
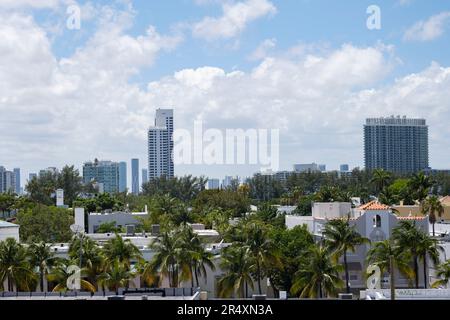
x,y
256,74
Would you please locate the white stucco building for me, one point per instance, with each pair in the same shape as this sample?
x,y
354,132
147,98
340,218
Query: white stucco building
x,y
9,230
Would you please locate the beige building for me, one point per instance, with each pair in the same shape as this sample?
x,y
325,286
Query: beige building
x,y
416,211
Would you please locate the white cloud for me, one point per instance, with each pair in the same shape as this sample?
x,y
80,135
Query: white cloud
x,y
430,29
263,49
56,111
235,18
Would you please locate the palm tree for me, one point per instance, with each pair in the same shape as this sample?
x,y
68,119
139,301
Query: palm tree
x,y
195,254
237,267
432,206
42,258
380,179
318,275
123,250
428,248
443,272
408,238
60,275
419,186
167,259
388,197
116,276
262,250
92,259
342,238
388,256
14,266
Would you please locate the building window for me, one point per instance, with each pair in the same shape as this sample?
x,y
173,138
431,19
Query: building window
x,y
377,221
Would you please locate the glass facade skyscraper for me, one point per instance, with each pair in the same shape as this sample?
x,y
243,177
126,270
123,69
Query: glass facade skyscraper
x,y
396,144
135,176
122,177
160,145
106,173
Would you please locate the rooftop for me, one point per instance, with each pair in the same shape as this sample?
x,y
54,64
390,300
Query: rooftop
x,y
4,224
374,205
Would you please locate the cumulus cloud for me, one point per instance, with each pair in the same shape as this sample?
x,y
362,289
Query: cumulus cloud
x,y
56,111
234,20
430,29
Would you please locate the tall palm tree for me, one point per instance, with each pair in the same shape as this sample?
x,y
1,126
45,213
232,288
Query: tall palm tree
x,y
14,266
318,275
195,254
167,259
116,276
428,248
42,257
388,256
432,206
408,238
380,178
238,268
420,185
60,274
341,238
262,249
93,261
443,272
123,250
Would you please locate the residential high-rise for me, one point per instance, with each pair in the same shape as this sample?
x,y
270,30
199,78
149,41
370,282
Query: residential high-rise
x,y
396,144
122,177
31,176
144,176
160,145
307,167
105,173
17,180
135,176
7,180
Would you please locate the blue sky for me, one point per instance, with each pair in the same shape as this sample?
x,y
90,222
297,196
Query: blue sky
x,y
315,60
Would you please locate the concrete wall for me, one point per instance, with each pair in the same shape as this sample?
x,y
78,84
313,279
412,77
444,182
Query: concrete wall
x,y
331,210
9,232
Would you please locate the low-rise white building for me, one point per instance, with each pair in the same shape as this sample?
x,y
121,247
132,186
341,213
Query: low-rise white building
x,y
9,230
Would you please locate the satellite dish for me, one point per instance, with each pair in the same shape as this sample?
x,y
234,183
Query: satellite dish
x,y
76,228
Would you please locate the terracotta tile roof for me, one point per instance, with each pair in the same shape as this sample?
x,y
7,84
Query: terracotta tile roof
x,y
374,205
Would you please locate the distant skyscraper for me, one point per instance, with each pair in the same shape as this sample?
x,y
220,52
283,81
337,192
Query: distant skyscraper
x,y
31,176
308,167
17,180
213,184
322,167
144,176
122,177
49,170
344,168
396,144
160,145
105,173
7,180
135,176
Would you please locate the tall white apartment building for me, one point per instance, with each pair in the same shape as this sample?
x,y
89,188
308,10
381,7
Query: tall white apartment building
x,y
160,145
